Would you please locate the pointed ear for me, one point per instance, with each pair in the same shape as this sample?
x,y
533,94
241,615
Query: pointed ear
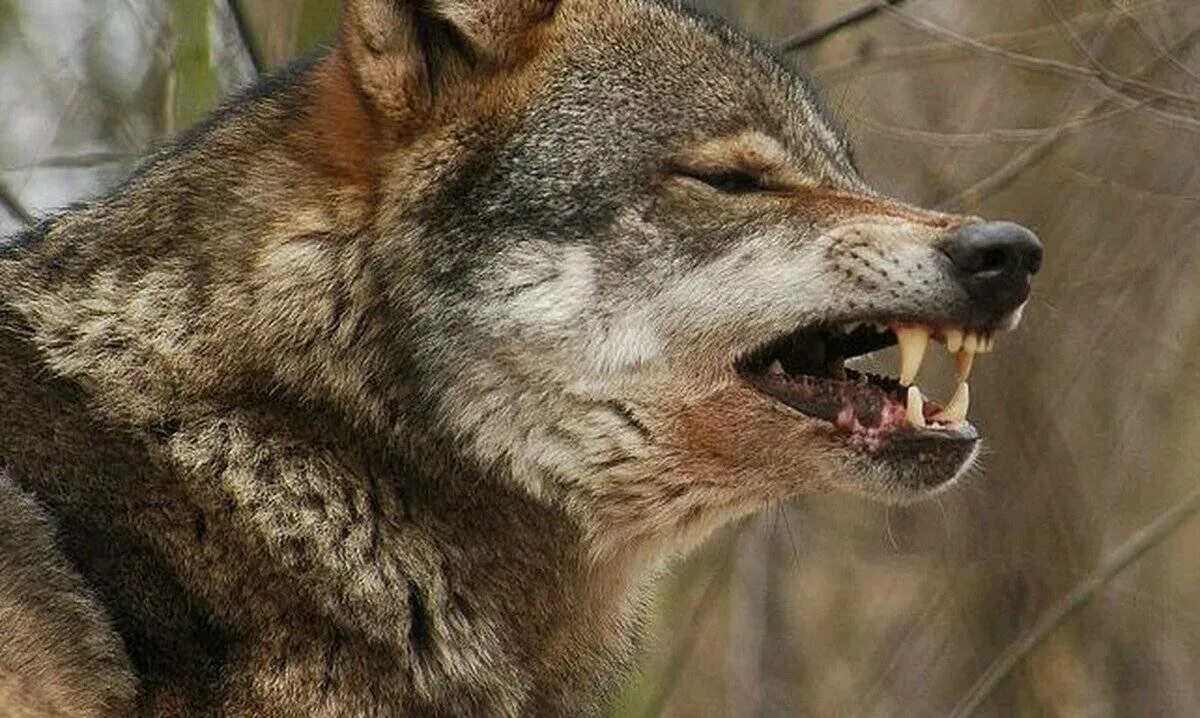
x,y
399,50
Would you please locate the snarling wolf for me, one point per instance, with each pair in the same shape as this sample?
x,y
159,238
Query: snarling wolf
x,y
390,388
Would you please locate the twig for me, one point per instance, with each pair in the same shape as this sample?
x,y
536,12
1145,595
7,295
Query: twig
x,y
909,56
1149,39
10,202
1106,75
1150,536
1116,83
959,140
86,160
246,36
1001,177
815,34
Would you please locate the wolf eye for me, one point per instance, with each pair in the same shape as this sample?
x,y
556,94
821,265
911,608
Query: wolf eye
x,y
730,181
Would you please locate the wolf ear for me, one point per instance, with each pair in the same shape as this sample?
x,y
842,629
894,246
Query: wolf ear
x,y
399,50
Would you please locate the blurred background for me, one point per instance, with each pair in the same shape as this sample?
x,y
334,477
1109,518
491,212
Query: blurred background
x,y
1078,118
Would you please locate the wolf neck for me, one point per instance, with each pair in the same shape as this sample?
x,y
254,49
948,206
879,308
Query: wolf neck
x,y
373,525
207,346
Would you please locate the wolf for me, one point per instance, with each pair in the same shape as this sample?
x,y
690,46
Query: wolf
x,y
392,387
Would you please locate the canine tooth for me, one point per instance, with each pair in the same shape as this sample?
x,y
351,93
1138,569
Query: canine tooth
x,y
913,341
851,327
880,328
915,408
954,340
964,360
956,411
776,369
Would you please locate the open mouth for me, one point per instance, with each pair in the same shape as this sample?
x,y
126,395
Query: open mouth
x,y
806,370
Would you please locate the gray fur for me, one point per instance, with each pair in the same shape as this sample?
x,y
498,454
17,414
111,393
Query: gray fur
x,y
394,398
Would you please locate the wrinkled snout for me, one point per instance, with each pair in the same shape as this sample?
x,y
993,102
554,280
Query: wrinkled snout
x,y
995,262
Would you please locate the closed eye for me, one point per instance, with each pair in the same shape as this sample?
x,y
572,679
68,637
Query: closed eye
x,y
729,181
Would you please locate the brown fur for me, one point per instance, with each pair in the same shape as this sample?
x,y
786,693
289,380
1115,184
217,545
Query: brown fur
x,y
310,437
58,653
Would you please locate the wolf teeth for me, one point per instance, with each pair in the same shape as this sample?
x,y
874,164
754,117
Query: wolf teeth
x,y
954,340
915,408
913,340
956,411
958,338
964,344
970,342
964,360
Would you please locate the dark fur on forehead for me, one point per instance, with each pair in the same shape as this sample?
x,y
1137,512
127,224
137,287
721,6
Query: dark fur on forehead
x,y
789,69
541,179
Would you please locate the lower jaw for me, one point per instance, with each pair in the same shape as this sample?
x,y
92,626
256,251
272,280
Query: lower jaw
x,y
876,441
913,468
866,413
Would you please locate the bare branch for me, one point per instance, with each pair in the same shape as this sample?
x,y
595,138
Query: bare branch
x,y
1140,28
1111,81
14,206
907,57
1072,38
85,160
1141,542
1069,34
246,36
959,140
815,34
1129,191
1001,177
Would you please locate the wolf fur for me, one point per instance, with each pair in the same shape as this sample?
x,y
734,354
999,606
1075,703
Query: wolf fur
x,y
390,388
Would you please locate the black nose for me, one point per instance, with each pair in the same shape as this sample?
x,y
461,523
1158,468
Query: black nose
x,y
995,261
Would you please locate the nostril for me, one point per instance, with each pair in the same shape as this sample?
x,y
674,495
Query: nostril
x,y
994,262
994,248
994,259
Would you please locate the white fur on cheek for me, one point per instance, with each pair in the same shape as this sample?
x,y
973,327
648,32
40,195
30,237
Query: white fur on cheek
x,y
765,286
630,342
549,287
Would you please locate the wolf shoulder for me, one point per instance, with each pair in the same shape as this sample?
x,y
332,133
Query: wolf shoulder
x,y
59,655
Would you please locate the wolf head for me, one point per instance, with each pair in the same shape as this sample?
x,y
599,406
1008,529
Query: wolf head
x,y
608,250
629,254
